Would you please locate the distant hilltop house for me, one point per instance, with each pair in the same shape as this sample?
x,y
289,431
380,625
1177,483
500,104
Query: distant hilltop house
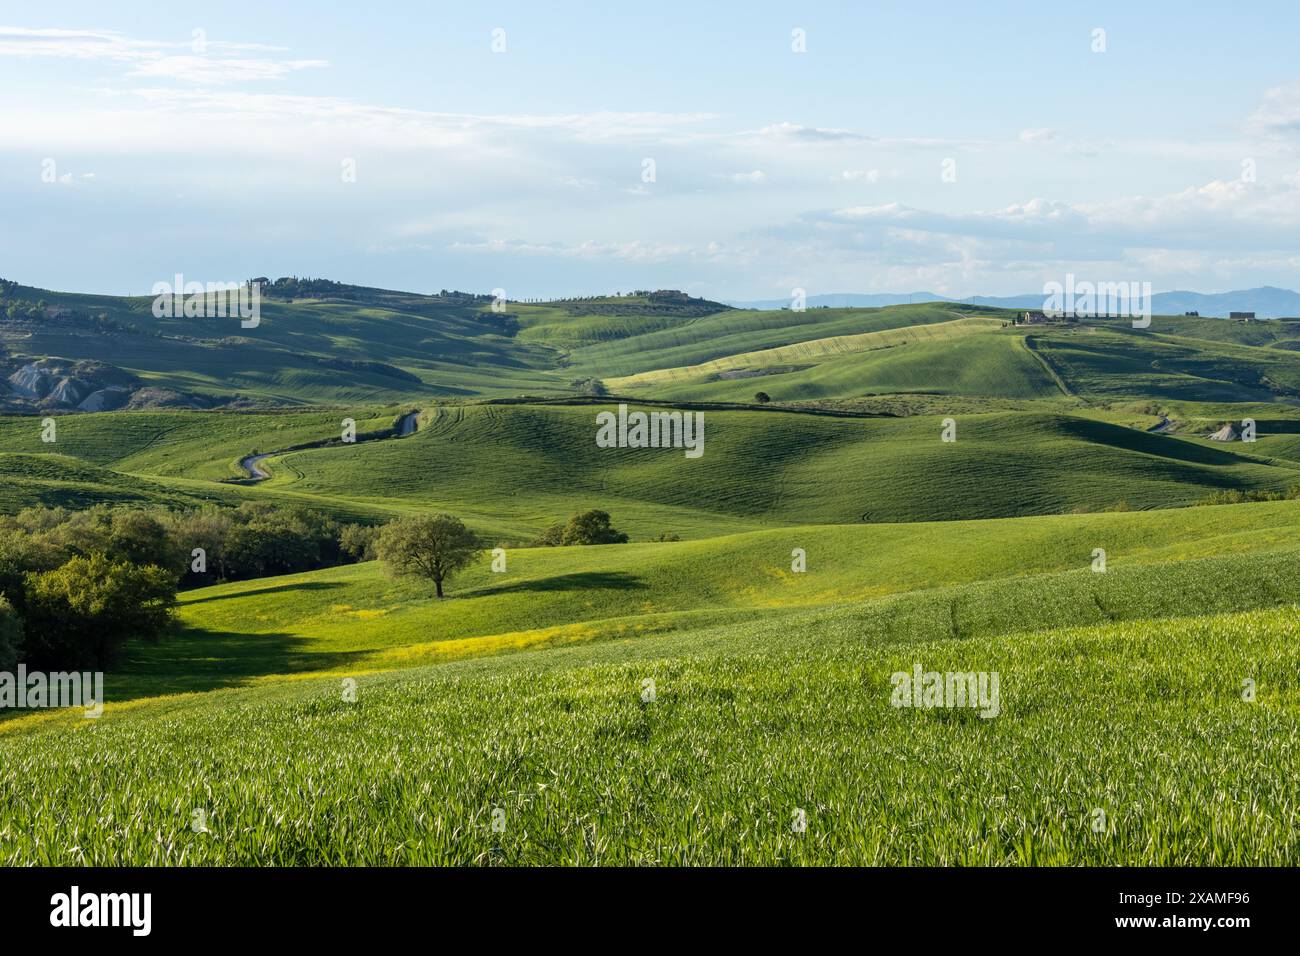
x,y
1241,316
1041,318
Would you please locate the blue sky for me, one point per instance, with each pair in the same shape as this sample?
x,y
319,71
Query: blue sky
x,y
133,147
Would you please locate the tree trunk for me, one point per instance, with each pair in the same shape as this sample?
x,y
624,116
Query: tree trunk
x,y
437,583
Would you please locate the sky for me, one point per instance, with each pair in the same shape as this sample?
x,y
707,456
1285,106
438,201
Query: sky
x,y
732,150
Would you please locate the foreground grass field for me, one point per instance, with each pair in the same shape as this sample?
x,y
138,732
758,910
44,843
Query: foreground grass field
x,y
1121,692
749,724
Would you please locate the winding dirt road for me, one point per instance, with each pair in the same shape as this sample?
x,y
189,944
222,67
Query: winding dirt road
x,y
408,424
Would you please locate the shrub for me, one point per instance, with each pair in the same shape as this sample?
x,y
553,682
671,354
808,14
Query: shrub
x,y
207,528
357,541
261,548
591,527
21,552
11,635
587,527
140,538
552,537
79,615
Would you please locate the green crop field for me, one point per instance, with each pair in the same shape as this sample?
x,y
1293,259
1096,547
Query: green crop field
x,y
691,695
356,617
749,724
980,365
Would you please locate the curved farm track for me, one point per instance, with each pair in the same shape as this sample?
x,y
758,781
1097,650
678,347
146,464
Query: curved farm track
x,y
408,424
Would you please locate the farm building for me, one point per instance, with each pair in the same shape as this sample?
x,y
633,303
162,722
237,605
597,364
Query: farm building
x,y
1044,318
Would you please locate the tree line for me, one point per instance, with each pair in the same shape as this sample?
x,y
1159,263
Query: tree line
x,y
76,585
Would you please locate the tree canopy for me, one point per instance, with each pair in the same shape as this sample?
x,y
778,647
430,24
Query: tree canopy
x,y
427,546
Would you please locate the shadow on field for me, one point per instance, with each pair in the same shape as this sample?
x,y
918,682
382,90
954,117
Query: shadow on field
x,y
578,581
1150,443
1276,426
193,659
275,589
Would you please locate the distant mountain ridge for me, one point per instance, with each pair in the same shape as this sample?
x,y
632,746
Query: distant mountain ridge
x,y
1267,302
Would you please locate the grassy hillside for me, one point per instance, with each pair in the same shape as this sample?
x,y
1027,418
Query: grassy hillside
x,y
57,480
357,617
749,722
966,361
384,348
374,346
713,337
1102,363
529,465
510,470
182,443
573,323
808,352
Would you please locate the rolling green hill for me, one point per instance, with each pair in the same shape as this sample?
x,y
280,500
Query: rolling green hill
x,y
971,365
356,617
371,348
698,745
329,344
808,352
530,465
713,337
513,469
181,443
526,690
1101,363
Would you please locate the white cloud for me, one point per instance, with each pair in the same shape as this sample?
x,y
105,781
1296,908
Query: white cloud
x,y
72,44
795,135
1041,135
262,123
214,70
755,178
1279,113
1219,231
636,250
812,134
205,61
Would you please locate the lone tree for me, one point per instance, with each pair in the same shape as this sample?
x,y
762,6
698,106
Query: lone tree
x,y
762,398
426,546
